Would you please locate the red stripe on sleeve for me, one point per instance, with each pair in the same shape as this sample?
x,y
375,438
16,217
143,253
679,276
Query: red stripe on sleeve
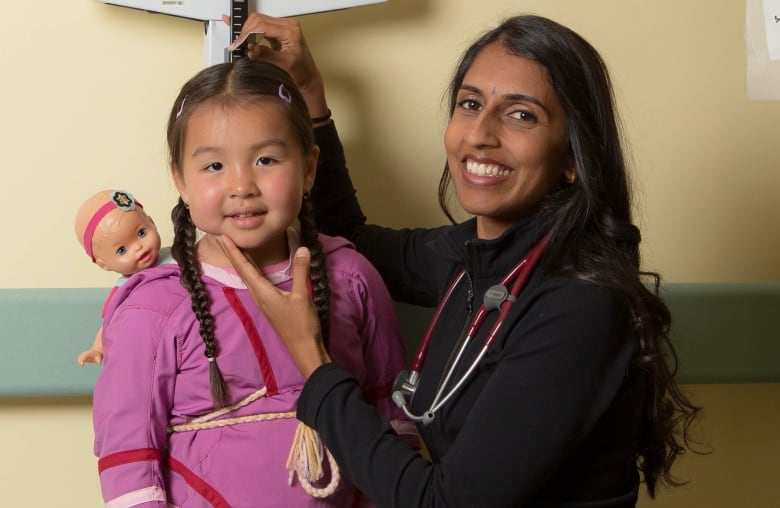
x,y
126,457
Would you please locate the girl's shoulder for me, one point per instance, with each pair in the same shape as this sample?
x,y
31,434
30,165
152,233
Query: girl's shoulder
x,y
336,245
156,289
344,260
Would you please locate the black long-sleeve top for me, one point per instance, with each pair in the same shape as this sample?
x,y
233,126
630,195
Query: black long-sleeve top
x,y
546,420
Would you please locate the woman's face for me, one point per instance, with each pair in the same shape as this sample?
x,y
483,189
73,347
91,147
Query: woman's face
x,y
506,140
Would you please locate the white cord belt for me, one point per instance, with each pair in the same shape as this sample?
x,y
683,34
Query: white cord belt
x,y
306,453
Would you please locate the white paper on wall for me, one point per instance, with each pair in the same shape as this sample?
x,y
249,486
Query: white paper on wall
x,y
772,25
763,70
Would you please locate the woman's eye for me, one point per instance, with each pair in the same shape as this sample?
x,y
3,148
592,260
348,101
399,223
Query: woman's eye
x,y
141,232
469,104
121,251
524,116
214,166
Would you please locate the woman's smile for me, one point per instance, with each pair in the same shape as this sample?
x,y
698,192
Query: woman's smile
x,y
485,169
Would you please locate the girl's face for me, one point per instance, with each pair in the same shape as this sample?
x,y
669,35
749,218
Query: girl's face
x,y
506,140
243,175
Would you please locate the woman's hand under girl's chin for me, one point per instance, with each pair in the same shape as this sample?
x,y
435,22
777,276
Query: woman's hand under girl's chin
x,y
291,313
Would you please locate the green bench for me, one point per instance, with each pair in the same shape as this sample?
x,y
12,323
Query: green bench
x,y
724,333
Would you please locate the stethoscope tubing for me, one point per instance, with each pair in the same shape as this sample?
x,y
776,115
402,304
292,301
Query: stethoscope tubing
x,y
520,277
505,307
422,351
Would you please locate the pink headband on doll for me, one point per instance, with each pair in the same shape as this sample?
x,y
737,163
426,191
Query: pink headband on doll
x,y
121,200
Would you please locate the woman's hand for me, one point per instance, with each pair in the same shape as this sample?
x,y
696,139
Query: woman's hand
x,y
289,51
291,313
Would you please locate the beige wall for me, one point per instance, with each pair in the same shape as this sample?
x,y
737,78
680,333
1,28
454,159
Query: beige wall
x,y
47,453
87,87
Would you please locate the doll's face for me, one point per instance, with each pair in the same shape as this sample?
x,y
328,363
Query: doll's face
x,y
126,242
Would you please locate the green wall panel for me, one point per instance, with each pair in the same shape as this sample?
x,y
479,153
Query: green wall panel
x,y
724,333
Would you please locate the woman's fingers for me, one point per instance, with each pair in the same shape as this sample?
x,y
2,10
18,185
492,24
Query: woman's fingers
x,y
245,267
292,314
277,30
287,49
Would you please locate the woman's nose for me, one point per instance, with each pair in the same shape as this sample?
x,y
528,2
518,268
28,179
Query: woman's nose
x,y
483,130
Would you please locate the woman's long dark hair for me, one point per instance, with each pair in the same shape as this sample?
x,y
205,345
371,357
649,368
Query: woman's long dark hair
x,y
591,233
236,84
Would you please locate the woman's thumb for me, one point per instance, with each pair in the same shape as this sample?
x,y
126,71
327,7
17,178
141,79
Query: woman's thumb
x,y
300,270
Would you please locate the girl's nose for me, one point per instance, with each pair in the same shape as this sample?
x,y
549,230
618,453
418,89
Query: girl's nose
x,y
243,183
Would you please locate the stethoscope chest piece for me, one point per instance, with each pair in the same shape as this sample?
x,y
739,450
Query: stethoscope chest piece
x,y
404,387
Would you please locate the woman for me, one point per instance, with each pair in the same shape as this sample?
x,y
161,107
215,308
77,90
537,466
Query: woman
x,y
574,402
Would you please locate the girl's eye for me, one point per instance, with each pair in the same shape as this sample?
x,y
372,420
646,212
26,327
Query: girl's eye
x,y
265,161
214,166
121,251
141,232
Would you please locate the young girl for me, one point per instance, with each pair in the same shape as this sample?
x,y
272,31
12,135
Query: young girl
x,y
195,406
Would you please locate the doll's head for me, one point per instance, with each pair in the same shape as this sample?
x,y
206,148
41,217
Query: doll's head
x,y
116,233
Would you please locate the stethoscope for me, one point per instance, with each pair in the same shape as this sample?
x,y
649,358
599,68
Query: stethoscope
x,y
496,297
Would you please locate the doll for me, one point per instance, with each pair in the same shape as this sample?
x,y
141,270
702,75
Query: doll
x,y
120,237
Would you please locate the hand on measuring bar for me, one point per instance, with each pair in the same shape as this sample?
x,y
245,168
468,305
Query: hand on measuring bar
x,y
287,48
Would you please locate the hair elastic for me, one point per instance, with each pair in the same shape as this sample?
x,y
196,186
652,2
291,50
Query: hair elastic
x,y
119,199
181,108
284,94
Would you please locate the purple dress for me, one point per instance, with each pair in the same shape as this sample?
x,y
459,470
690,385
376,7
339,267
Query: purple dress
x,y
155,377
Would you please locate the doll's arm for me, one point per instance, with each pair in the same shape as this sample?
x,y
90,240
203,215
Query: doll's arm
x,y
95,353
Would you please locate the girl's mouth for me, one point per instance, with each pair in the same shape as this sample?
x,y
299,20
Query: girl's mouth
x,y
247,219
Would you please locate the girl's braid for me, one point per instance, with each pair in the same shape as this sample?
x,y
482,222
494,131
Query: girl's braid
x,y
319,270
183,251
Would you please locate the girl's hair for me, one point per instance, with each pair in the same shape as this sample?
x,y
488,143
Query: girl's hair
x,y
236,85
591,234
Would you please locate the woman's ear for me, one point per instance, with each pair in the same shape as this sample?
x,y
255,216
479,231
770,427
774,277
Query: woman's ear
x,y
570,172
